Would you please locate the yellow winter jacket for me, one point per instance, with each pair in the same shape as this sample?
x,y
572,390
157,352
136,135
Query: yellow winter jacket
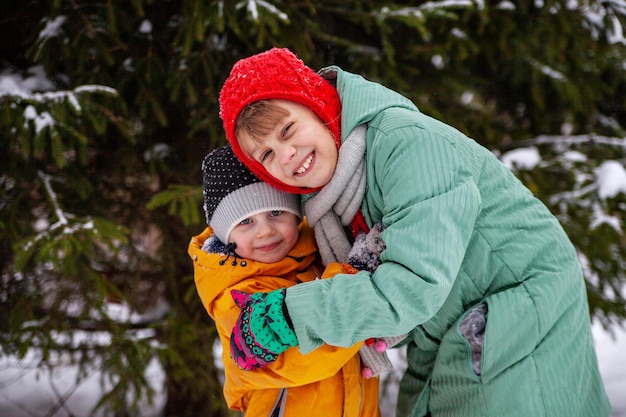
x,y
326,382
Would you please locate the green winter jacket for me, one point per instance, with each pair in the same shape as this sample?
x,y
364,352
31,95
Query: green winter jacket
x,y
461,230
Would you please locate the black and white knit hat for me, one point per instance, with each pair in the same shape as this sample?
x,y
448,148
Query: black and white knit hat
x,y
232,193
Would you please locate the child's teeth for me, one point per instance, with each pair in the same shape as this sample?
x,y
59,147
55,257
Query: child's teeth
x,y
306,165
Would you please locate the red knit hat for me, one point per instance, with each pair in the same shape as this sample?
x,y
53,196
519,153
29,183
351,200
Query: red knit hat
x,y
276,74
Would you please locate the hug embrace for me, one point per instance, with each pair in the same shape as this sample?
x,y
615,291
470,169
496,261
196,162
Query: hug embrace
x,y
475,270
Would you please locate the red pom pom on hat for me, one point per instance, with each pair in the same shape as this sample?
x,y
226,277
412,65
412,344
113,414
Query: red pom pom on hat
x,y
276,74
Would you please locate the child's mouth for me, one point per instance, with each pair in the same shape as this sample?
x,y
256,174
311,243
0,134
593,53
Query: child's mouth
x,y
305,166
268,247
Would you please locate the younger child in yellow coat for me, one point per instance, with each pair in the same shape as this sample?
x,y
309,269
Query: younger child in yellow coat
x,y
257,242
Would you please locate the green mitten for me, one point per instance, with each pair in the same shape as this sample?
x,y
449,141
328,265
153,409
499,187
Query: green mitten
x,y
263,330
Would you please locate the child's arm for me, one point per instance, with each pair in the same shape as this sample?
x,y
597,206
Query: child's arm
x,y
249,347
291,368
365,255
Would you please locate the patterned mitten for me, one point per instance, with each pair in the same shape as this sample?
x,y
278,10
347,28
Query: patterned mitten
x,y
366,250
262,331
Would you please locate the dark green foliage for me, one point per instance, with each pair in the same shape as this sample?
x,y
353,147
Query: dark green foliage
x,y
100,180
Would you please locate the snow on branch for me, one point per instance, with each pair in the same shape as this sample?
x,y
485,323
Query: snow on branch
x,y
59,96
418,11
604,17
590,138
62,217
253,8
52,28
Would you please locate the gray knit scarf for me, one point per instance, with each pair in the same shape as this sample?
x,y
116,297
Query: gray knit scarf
x,y
335,205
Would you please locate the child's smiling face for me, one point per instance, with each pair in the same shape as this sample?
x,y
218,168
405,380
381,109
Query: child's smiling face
x,y
266,237
300,150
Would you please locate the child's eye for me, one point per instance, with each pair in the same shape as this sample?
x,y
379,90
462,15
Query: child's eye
x,y
285,131
245,221
265,155
275,213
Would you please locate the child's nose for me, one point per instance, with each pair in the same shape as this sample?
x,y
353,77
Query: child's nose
x,y
287,152
264,229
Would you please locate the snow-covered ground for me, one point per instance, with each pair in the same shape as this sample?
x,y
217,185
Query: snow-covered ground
x,y
27,391
612,357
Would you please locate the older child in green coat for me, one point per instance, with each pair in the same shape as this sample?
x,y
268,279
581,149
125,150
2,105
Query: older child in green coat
x,y
477,270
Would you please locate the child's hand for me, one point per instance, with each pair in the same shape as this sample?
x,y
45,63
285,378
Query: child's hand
x,y
374,357
365,253
262,332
